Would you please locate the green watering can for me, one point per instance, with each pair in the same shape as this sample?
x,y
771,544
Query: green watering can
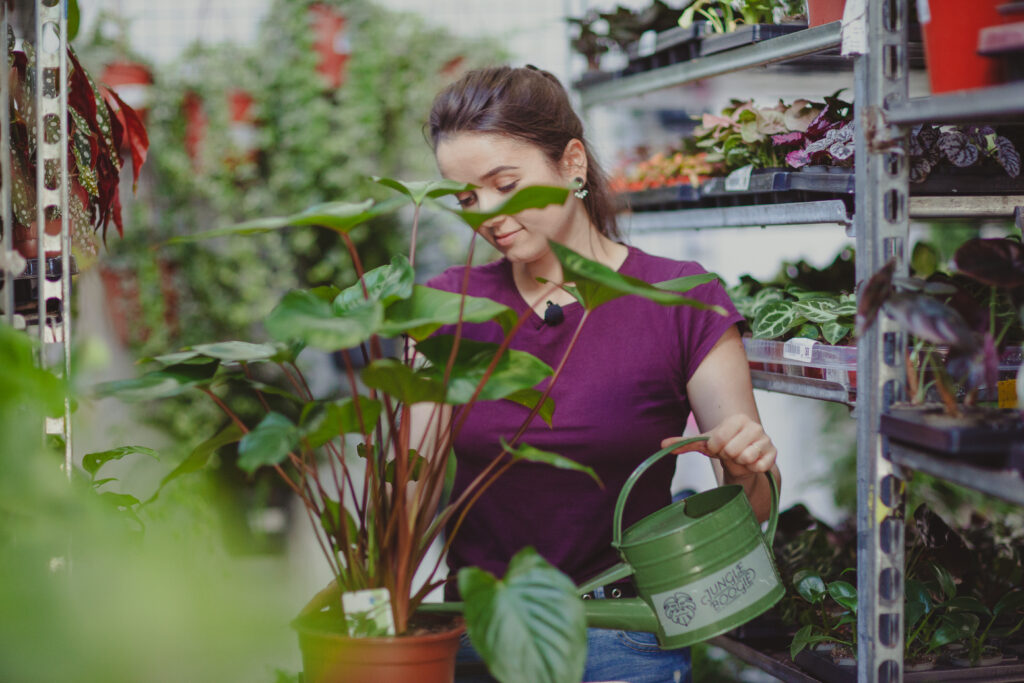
x,y
700,565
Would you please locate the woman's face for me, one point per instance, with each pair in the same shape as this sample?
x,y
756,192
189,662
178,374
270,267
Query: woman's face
x,y
499,166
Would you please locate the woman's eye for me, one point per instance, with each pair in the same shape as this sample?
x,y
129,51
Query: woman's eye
x,y
508,188
466,202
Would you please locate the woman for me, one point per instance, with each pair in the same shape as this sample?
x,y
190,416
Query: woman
x,y
638,369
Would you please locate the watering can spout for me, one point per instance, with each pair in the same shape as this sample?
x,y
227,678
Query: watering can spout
x,y
629,614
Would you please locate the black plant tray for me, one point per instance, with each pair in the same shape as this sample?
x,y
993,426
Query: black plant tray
x,y
53,269
590,78
670,47
824,179
663,198
968,181
745,35
823,668
988,437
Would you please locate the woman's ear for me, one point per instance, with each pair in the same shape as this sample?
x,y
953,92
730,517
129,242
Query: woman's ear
x,y
574,159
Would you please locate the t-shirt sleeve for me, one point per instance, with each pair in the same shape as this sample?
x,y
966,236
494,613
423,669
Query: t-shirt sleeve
x,y
703,328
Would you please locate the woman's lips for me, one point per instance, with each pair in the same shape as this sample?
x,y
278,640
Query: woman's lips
x,y
506,238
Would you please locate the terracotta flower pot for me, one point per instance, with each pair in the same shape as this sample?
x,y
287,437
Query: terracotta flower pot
x,y
950,32
330,657
824,11
25,239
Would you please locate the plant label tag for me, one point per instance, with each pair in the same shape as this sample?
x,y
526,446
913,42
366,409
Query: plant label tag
x,y
1007,389
647,43
799,349
739,180
368,613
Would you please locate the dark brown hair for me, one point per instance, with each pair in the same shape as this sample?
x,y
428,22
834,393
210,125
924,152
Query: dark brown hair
x,y
528,104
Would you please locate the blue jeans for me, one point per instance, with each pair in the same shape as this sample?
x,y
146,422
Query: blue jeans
x,y
632,656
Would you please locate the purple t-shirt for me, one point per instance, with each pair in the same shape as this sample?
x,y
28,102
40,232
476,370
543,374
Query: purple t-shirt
x,y
622,391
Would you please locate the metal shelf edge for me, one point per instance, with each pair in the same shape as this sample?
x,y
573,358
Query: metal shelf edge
x,y
789,46
751,215
1005,484
803,387
968,105
779,669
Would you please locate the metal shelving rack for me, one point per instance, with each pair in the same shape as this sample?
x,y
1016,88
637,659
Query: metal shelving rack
x,y
51,319
882,211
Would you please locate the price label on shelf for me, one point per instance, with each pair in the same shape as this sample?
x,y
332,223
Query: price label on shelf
x,y
738,180
800,350
647,43
1007,389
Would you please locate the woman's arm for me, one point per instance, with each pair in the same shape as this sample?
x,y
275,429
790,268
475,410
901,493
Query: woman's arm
x,y
722,398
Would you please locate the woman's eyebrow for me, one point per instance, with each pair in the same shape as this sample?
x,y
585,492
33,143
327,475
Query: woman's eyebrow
x,y
496,170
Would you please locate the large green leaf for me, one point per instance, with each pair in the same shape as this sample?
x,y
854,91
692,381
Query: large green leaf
x,y
418,190
325,421
402,382
428,309
198,458
775,319
1012,601
946,580
844,593
529,627
531,454
810,586
834,332
817,310
92,462
953,627
529,398
535,197
385,284
237,351
515,370
170,381
338,216
302,315
596,283
269,443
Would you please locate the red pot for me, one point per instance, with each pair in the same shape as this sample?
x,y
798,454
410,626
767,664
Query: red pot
x,y
25,239
330,40
824,11
950,29
329,657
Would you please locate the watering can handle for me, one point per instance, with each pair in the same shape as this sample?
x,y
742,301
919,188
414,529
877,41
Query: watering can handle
x,y
620,504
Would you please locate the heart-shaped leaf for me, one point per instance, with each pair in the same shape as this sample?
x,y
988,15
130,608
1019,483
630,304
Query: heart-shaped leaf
x,y
929,319
198,458
529,627
535,197
338,216
809,586
516,370
844,593
997,262
529,398
817,310
428,309
385,284
170,381
834,332
1012,601
322,422
775,319
268,444
596,283
237,351
417,191
402,382
1003,151
92,462
531,454
304,316
958,148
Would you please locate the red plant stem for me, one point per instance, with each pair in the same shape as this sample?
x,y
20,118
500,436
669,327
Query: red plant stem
x,y
483,480
415,228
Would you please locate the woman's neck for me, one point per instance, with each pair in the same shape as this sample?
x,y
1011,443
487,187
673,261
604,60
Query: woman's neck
x,y
594,246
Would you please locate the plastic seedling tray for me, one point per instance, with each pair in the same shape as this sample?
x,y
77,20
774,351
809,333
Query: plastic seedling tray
x,y
985,437
745,35
664,198
805,358
669,47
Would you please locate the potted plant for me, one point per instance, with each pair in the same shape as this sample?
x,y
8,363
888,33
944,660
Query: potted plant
x,y
371,499
102,130
958,324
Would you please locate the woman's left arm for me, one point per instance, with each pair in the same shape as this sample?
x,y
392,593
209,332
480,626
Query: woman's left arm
x,y
722,399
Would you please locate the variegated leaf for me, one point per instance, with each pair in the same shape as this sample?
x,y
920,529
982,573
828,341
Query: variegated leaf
x,y
775,319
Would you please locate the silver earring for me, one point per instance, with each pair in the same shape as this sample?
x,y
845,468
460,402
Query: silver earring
x,y
580,192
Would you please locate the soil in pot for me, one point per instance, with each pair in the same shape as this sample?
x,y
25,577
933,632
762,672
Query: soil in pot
x,y
425,655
